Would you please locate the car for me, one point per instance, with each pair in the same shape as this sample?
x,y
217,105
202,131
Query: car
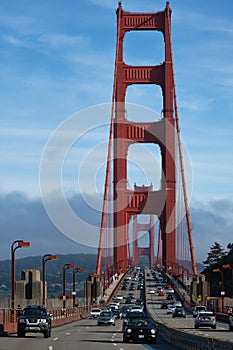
x,y
128,300
119,297
170,297
136,308
139,302
231,322
205,319
161,293
178,303
198,308
164,305
106,317
170,308
117,313
95,312
179,312
124,309
170,291
131,314
115,301
151,291
34,319
140,329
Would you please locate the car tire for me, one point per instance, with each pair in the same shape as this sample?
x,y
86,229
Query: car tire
x,y
196,327
47,334
214,327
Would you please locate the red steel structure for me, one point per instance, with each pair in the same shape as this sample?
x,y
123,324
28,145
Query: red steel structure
x,y
123,133
140,227
162,202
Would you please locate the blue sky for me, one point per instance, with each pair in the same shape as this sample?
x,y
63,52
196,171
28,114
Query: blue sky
x,y
57,60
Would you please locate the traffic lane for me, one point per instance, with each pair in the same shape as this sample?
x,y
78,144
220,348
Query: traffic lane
x,y
187,324
86,334
82,334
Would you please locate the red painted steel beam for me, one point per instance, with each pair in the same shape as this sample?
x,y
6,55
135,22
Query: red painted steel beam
x,y
126,202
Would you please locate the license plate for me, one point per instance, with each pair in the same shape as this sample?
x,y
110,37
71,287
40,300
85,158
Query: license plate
x,y
141,336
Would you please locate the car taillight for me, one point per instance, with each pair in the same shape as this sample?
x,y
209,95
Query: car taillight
x,y
213,318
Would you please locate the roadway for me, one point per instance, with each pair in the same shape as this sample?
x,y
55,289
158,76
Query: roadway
x,y
183,324
83,334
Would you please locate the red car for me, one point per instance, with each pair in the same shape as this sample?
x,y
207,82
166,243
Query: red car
x,y
161,293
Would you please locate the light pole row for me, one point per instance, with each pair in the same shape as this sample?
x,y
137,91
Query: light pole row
x,y
22,244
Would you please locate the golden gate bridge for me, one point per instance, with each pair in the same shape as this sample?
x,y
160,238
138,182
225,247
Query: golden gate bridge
x,y
168,206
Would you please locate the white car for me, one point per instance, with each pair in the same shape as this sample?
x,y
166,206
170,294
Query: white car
x,y
178,303
137,308
151,291
119,297
170,291
95,312
170,309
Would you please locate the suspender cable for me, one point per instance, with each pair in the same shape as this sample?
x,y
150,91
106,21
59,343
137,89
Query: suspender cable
x,y
108,167
181,161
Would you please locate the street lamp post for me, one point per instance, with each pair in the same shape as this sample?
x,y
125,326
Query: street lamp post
x,y
222,293
45,258
65,267
75,270
15,245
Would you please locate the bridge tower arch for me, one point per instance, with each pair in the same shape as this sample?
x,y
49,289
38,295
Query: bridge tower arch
x,y
128,203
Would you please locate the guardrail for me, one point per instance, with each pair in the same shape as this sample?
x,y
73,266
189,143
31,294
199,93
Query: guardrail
x,y
8,317
190,341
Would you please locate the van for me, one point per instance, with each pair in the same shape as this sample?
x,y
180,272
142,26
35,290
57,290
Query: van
x,y
198,308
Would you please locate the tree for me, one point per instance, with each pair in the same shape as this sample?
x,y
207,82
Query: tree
x,y
230,246
215,255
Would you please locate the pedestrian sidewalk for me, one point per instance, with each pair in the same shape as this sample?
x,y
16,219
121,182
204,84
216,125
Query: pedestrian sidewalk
x,y
112,288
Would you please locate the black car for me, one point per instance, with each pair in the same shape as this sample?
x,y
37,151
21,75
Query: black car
x,y
164,305
131,314
140,329
34,319
170,297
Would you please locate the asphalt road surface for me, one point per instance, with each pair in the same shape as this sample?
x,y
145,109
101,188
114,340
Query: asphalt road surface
x,y
81,335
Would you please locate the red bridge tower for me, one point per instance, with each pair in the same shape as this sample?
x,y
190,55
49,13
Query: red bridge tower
x,y
129,203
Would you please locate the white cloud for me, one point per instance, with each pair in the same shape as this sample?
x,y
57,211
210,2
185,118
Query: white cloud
x,y
58,40
12,40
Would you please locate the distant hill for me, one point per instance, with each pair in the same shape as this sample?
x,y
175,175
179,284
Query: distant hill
x,y
54,269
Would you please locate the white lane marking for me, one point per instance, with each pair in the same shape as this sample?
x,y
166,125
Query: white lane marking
x,y
115,344
67,333
55,339
50,347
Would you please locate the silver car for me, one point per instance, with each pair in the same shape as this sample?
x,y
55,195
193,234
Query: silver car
x,y
205,319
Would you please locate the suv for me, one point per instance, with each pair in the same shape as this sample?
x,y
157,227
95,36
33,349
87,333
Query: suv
x,y
34,319
95,312
205,319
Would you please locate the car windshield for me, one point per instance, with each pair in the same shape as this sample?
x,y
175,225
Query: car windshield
x,y
34,312
105,314
138,322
